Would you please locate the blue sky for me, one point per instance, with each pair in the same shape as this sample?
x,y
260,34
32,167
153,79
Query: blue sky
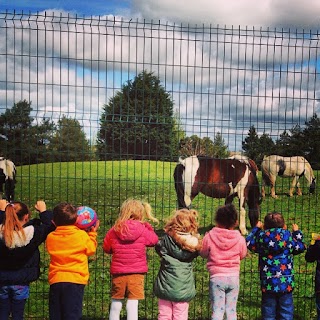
x,y
88,8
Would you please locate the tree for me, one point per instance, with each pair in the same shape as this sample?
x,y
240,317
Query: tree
x,y
292,143
69,142
251,143
21,140
195,145
256,147
219,147
138,122
311,141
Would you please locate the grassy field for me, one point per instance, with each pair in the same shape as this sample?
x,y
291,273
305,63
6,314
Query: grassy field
x,y
105,185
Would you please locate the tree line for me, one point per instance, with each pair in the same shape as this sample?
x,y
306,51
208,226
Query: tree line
x,y
138,122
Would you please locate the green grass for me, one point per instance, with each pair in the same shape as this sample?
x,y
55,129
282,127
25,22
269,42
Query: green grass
x,y
105,185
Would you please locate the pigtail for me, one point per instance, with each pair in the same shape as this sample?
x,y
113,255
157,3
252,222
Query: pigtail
x,y
12,225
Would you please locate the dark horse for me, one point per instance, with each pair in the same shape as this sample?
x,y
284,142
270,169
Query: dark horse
x,y
219,178
7,178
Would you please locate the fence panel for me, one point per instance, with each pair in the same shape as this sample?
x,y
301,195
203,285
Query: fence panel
x,y
80,74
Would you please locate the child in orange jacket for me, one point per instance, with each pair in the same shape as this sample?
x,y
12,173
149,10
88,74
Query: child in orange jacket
x,y
69,248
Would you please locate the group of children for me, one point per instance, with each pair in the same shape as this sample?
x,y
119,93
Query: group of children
x,y
223,247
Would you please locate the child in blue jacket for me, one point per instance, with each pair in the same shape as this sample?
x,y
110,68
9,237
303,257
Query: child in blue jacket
x,y
276,246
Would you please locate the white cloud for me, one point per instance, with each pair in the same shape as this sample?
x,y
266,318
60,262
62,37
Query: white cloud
x,y
221,80
268,13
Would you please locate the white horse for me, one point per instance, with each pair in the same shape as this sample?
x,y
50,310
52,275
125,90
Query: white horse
x,y
8,178
295,167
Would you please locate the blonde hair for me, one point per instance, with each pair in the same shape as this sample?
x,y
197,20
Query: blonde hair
x,y
12,223
133,209
183,220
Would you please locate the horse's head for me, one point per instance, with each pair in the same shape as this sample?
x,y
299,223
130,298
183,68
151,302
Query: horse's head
x,y
312,187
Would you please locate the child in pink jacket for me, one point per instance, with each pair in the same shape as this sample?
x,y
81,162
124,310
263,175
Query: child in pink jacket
x,y
224,247
126,241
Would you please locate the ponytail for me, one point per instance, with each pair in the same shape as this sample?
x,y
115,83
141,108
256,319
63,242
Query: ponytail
x,y
14,214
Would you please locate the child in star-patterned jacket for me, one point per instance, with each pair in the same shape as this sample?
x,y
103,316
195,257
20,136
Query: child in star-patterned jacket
x,y
276,246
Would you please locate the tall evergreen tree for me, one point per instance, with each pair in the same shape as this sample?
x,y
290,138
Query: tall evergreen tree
x,y
138,122
20,139
69,142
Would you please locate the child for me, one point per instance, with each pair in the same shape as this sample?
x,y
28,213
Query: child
x,y
175,285
69,248
312,255
126,241
20,238
224,247
276,246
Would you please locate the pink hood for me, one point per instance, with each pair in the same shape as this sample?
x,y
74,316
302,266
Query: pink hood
x,y
224,249
128,249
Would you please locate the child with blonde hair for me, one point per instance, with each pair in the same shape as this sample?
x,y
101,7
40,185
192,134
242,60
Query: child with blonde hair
x,y
126,241
175,284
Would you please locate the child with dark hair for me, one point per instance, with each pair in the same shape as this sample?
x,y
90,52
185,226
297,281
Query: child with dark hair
x,y
224,247
276,246
69,248
20,238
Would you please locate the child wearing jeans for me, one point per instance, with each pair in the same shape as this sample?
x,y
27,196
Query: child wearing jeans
x,y
127,241
175,285
224,247
276,246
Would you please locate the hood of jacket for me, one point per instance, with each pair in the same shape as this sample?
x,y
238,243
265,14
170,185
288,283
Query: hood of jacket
x,y
132,231
224,239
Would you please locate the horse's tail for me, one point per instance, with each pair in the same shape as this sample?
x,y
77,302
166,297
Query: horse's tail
x,y
312,178
265,175
10,170
178,183
254,198
10,179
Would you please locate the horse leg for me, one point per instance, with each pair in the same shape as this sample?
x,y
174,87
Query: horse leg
x,y
273,187
242,217
296,184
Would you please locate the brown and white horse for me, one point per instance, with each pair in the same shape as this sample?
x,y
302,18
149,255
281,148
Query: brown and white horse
x,y
295,167
7,178
219,178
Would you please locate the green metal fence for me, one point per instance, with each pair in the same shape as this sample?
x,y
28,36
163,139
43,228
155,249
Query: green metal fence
x,y
64,77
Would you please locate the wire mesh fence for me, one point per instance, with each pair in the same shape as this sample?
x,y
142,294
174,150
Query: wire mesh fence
x,y
96,110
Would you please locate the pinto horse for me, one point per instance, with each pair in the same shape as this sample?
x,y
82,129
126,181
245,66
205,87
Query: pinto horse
x,y
296,167
7,178
219,178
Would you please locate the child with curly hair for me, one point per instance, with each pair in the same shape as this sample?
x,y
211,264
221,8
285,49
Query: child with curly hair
x,y
175,284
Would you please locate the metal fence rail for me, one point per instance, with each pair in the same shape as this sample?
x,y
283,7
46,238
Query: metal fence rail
x,y
221,81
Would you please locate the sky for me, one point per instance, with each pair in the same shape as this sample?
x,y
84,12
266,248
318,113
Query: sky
x,y
220,79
